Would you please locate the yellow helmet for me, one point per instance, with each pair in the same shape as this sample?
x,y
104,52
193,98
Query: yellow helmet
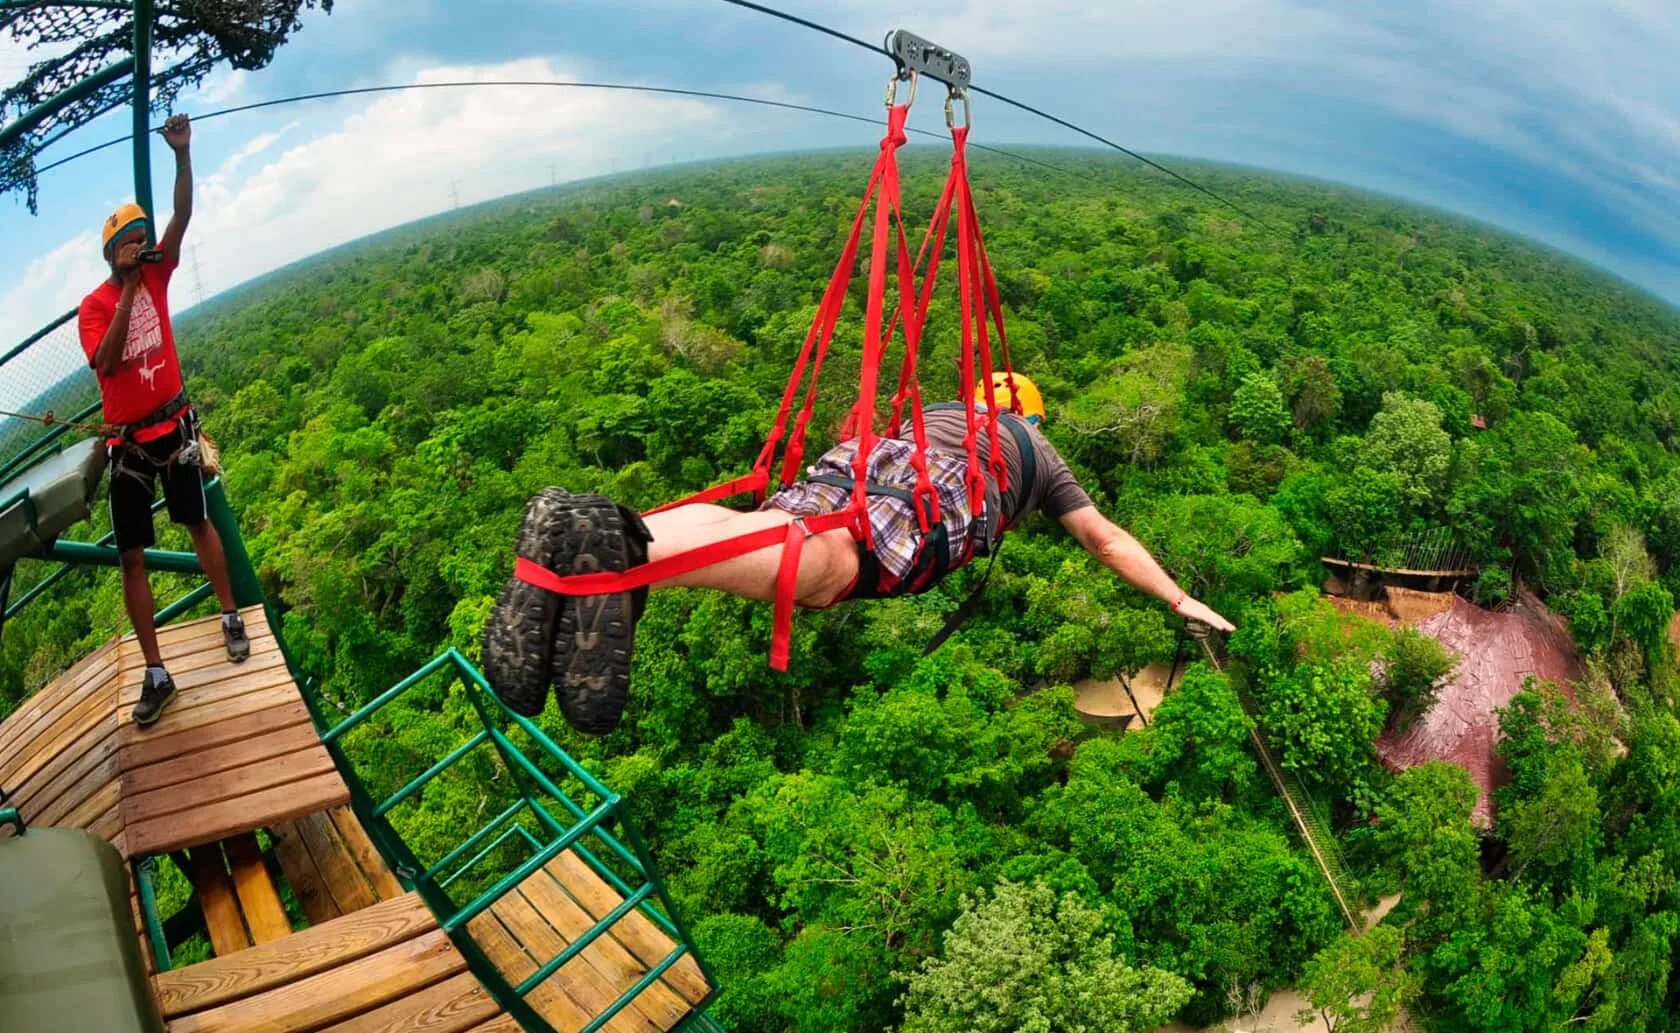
x,y
118,223
1026,393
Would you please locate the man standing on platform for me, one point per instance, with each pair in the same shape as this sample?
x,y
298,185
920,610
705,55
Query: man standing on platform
x,y
130,344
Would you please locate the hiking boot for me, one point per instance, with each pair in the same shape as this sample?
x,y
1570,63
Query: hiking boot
x,y
155,694
597,635
519,638
234,637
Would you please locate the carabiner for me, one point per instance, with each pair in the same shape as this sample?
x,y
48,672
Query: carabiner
x,y
950,113
892,89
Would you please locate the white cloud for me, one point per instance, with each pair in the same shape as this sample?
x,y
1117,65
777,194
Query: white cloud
x,y
366,165
407,155
51,285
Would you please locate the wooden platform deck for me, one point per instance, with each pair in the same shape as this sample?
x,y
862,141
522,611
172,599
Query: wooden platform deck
x,y
386,966
235,751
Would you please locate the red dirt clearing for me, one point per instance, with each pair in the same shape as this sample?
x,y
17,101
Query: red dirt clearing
x,y
1497,652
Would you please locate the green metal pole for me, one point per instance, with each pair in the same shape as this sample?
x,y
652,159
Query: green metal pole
x,y
142,111
247,590
88,554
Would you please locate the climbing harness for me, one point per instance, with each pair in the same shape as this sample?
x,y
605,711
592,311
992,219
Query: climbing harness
x,y
982,319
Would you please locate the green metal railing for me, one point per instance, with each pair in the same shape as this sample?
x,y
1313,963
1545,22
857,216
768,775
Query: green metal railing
x,y
456,884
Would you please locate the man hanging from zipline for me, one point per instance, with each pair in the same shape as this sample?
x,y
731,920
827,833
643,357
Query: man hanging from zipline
x,y
582,644
126,333
883,513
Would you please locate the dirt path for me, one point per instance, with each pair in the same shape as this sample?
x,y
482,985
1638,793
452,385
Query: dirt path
x,y
1104,700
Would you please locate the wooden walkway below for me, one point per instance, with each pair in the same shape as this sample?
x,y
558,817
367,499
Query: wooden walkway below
x,y
235,750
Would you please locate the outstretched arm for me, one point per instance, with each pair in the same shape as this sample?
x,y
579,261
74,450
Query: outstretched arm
x,y
177,132
1120,552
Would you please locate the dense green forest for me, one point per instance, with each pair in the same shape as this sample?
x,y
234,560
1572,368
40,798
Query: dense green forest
x,y
878,840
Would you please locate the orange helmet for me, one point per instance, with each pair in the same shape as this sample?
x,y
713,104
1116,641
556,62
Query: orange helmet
x,y
1026,393
118,223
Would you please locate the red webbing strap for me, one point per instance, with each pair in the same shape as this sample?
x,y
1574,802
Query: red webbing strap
x,y
754,482
908,381
790,536
681,563
817,340
883,190
887,208
926,504
928,511
976,479
974,308
815,344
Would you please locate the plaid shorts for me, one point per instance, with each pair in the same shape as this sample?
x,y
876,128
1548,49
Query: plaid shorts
x,y
897,534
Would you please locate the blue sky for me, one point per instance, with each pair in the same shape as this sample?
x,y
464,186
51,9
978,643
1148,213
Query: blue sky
x,y
1559,121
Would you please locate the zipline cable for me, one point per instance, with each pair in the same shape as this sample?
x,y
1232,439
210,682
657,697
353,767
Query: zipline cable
x,y
623,87
1105,141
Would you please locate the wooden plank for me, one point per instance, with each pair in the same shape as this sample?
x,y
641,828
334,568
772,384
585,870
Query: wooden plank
x,y
549,998
29,753
507,1024
586,984
81,769
207,713
151,749
170,634
211,651
239,814
299,956
32,752
109,827
662,1006
215,760
215,898
84,814
453,1006
332,859
96,744
265,916
187,710
150,804
72,801
338,870
213,682
373,866
57,697
335,995
301,872
636,931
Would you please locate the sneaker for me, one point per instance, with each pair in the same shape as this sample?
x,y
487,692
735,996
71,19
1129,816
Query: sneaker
x,y
233,635
155,694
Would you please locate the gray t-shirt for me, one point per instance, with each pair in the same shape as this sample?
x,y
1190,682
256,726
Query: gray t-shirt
x,y
1054,489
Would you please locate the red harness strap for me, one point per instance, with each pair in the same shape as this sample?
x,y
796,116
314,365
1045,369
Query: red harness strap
x,y
883,190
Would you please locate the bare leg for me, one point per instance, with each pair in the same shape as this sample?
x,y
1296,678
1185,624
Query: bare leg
x,y
208,544
137,598
827,566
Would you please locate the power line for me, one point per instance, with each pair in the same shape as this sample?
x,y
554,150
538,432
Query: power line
x,y
623,87
1105,141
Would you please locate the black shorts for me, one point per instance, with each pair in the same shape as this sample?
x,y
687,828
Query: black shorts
x,y
134,485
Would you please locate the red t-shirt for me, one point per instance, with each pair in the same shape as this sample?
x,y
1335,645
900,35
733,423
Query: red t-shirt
x,y
149,374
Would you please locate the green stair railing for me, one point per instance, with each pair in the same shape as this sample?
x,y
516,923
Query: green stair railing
x,y
467,870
